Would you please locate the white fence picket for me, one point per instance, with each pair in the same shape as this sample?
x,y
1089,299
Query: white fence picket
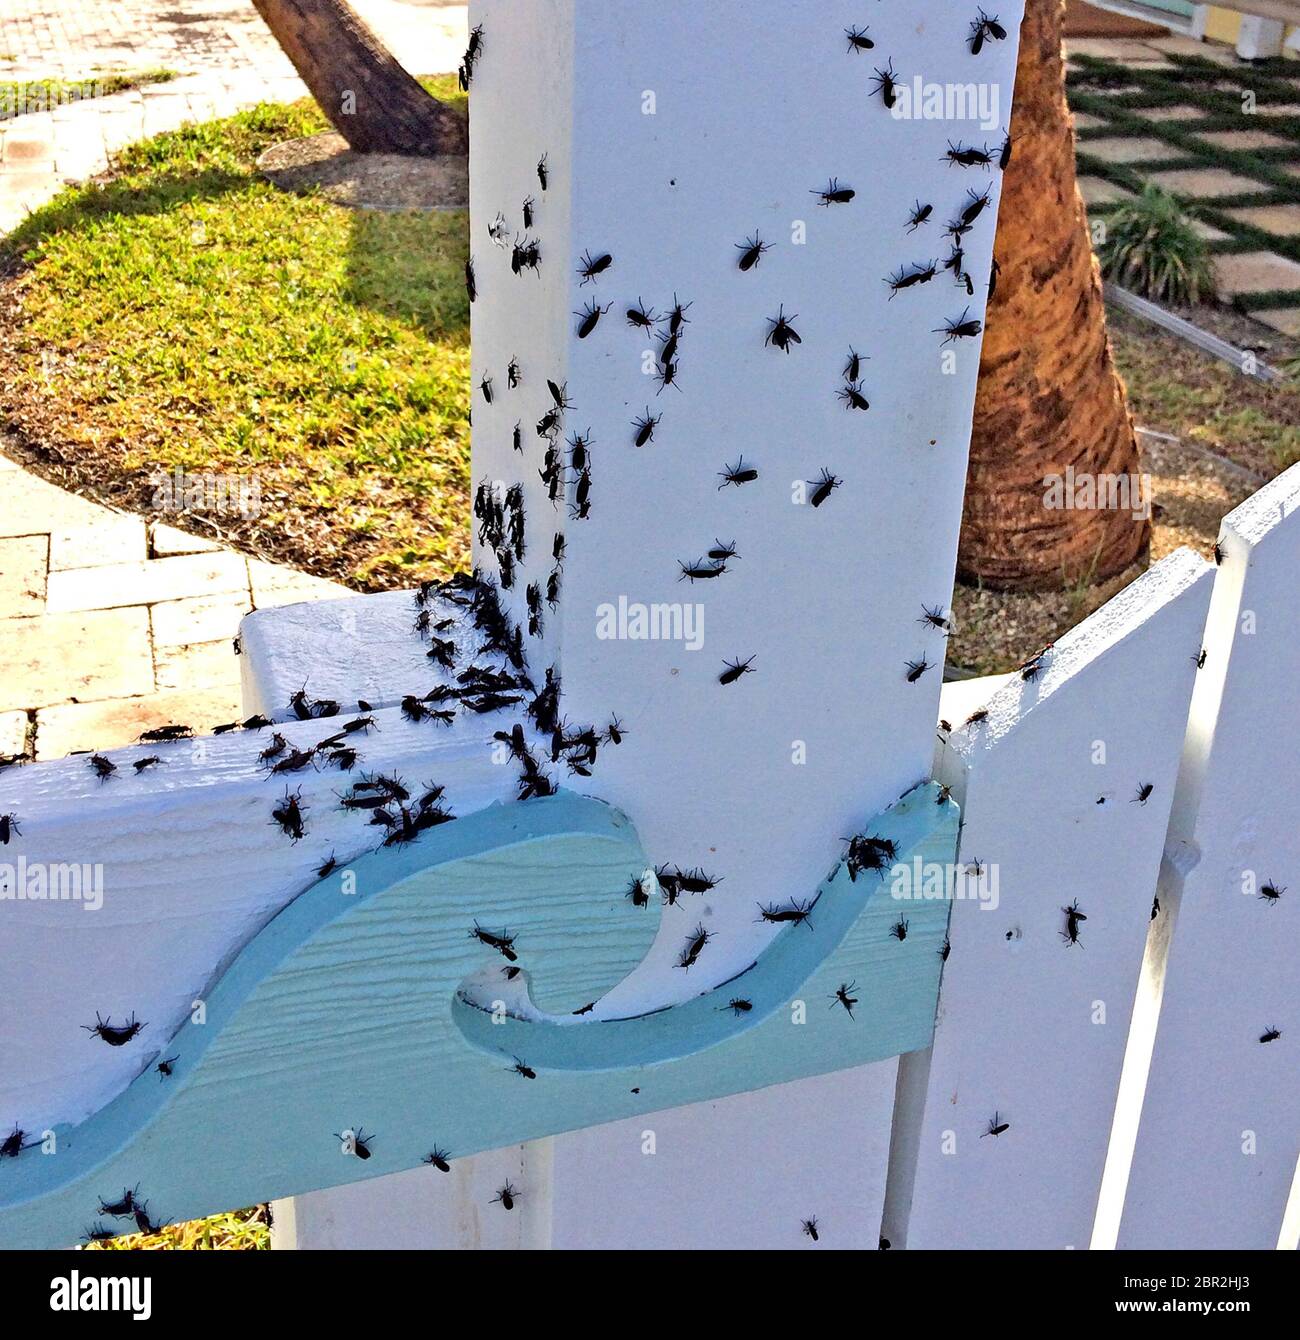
x,y
752,1159
1217,1146
427,1210
1031,1028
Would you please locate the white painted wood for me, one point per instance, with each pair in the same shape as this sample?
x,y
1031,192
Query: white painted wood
x,y
192,867
428,1210
671,107
826,599
672,1180
1030,1027
362,647
1216,1149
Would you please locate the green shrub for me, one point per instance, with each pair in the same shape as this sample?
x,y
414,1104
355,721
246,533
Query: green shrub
x,y
1152,248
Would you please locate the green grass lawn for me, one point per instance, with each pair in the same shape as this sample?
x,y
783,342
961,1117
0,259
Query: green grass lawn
x,y
185,313
23,95
239,1231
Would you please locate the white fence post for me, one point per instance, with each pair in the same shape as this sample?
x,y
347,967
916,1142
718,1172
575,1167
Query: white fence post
x,y
672,139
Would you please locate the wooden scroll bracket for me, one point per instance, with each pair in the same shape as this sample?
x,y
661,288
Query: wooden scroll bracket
x,y
366,1008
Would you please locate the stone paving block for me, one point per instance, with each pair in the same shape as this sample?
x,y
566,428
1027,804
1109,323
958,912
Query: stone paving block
x,y
1180,113
13,733
56,658
1129,148
274,585
1206,183
23,563
110,537
1208,231
26,150
1280,220
1255,272
30,506
1244,139
168,541
146,583
25,182
1177,45
111,725
199,665
177,623
1126,51
1086,121
1277,109
1099,191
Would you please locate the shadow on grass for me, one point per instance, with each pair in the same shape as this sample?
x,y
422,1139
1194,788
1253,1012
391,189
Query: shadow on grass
x,y
405,266
411,267
80,208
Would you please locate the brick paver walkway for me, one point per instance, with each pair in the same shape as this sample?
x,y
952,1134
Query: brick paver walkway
x,y
111,623
1231,161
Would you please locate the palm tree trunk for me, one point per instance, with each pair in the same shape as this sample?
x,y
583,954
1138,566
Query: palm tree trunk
x,y
1049,396
366,95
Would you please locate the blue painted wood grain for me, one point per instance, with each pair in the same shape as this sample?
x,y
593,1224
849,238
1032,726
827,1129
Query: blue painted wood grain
x,y
344,1014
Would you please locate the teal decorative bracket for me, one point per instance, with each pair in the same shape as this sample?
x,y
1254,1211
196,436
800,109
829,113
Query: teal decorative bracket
x,y
349,1012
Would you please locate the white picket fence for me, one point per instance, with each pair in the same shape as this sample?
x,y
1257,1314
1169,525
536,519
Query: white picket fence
x,y
1054,1038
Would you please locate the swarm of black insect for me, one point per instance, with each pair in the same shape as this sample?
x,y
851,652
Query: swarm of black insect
x,y
389,805
867,853
734,671
1073,918
963,328
13,1145
752,250
472,54
795,913
781,333
984,28
288,815
695,944
116,1035
503,942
